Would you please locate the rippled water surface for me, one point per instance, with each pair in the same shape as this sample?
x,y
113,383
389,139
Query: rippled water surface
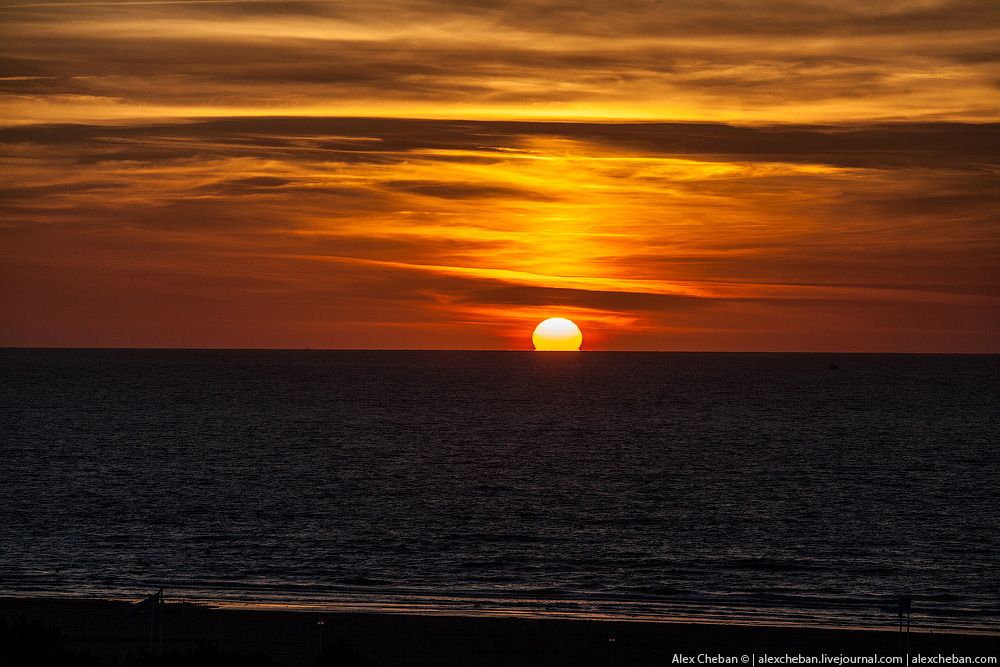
x,y
761,487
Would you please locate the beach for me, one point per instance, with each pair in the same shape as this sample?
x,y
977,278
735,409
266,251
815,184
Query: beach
x,y
114,629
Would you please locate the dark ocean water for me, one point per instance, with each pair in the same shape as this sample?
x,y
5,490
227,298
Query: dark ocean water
x,y
760,487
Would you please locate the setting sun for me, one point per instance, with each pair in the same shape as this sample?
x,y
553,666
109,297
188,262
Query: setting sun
x,y
557,334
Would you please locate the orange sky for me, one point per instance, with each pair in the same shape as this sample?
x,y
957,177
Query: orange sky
x,y
670,175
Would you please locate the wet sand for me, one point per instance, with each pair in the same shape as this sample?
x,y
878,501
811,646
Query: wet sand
x,y
113,629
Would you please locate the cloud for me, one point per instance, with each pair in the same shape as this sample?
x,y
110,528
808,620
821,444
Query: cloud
x,y
737,61
306,228
464,190
372,139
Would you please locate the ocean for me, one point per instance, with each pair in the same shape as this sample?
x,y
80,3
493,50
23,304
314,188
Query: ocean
x,y
758,488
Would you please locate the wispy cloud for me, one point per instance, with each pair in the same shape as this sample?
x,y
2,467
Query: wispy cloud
x,y
733,61
288,231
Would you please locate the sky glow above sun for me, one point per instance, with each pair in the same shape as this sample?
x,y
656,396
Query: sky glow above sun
x,y
443,174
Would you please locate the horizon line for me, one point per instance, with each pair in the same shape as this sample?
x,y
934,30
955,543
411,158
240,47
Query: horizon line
x,y
497,350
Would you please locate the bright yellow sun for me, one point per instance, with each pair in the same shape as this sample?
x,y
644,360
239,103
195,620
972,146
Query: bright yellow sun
x,y
557,334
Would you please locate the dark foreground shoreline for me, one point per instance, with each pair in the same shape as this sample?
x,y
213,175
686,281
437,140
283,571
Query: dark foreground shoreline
x,y
111,631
